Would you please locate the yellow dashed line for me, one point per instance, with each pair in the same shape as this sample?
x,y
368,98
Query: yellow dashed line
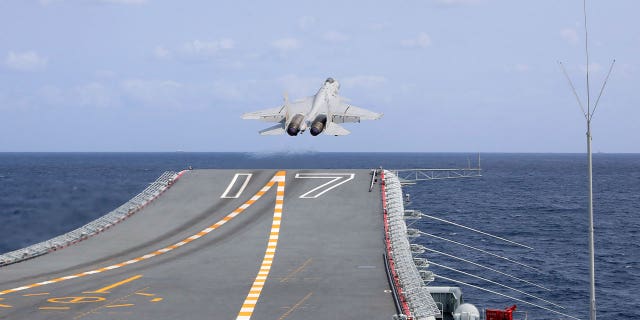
x,y
35,294
54,308
251,300
296,271
277,178
156,299
117,284
286,314
119,305
145,294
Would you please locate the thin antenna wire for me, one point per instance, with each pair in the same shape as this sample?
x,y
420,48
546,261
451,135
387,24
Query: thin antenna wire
x,y
586,50
487,268
479,250
602,89
477,231
573,88
494,282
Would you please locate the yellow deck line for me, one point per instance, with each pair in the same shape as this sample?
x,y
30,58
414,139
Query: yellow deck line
x,y
277,178
295,306
251,300
296,271
119,305
35,294
117,284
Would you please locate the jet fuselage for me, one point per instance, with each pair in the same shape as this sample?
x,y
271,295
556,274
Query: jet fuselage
x,y
316,118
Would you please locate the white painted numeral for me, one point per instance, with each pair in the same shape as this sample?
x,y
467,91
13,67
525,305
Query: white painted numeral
x,y
336,179
238,178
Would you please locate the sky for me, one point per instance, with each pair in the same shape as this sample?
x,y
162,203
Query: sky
x,y
449,75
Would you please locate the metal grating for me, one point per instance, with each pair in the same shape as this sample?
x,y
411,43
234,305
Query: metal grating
x,y
413,286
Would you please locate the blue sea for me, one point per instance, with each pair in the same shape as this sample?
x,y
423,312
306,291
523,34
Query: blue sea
x,y
536,199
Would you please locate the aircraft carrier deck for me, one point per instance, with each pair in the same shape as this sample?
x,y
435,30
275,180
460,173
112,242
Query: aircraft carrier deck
x,y
222,244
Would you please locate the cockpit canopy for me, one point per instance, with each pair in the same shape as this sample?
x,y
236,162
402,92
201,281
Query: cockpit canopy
x,y
329,80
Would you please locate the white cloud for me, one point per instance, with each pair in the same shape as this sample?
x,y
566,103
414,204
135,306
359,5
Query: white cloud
x,y
105,74
364,81
306,22
570,35
140,93
298,87
199,50
9,101
166,94
521,67
92,94
286,44
150,91
378,26
335,36
53,95
25,61
227,91
423,40
206,49
95,94
593,67
161,53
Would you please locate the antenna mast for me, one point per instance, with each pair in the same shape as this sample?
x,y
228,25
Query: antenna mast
x,y
588,114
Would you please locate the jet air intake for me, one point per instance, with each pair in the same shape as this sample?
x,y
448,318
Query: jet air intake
x,y
318,124
294,125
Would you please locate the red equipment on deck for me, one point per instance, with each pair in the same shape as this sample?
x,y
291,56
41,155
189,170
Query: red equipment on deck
x,y
506,314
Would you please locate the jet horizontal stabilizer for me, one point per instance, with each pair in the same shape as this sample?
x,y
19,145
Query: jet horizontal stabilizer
x,y
335,130
273,130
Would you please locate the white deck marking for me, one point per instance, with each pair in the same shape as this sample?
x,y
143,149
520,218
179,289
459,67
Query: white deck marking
x,y
247,177
336,180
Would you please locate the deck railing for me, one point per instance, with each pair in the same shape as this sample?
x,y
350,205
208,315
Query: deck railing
x,y
96,226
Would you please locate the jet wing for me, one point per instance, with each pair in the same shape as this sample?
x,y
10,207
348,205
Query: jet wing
x,y
279,114
269,115
346,112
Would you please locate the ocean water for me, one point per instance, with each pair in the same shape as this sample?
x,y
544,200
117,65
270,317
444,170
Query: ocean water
x,y
536,199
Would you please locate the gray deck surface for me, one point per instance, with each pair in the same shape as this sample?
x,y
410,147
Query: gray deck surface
x,y
328,263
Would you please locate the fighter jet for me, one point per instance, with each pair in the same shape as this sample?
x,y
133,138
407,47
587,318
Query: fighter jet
x,y
320,113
